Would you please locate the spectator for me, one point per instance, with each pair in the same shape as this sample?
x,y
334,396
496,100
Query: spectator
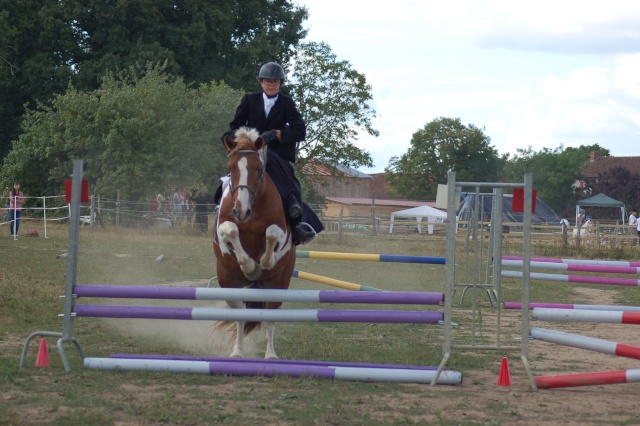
x,y
16,198
633,219
178,205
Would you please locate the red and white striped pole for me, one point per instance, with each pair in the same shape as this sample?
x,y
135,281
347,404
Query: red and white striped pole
x,y
588,379
588,343
581,315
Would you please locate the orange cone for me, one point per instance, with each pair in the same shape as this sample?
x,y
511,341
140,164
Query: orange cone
x,y
43,355
504,378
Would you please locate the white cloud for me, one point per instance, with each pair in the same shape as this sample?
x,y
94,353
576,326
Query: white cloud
x,y
542,74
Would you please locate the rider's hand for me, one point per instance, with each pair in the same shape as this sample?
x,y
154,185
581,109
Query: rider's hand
x,y
269,136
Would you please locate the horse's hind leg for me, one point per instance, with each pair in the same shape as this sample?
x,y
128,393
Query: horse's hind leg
x,y
270,329
238,347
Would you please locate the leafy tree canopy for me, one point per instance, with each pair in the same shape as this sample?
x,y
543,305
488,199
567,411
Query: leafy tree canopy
x,y
555,172
136,135
441,146
334,101
46,44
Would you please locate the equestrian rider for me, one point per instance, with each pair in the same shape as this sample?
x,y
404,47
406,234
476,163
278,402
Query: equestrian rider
x,y
276,117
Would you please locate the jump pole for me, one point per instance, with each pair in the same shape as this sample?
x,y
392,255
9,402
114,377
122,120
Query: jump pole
x,y
518,305
577,261
274,361
302,254
588,343
259,315
261,368
582,315
330,281
251,295
588,379
582,279
577,267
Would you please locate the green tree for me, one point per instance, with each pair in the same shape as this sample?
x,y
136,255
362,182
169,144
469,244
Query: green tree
x,y
441,146
46,44
202,40
334,100
37,47
135,136
555,172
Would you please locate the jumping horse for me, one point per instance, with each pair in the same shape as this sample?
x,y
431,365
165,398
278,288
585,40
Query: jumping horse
x,y
252,241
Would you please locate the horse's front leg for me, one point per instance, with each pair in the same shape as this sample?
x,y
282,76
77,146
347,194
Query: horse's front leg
x,y
270,329
229,234
238,347
275,239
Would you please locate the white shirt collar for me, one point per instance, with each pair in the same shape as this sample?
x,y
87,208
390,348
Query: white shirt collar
x,y
269,102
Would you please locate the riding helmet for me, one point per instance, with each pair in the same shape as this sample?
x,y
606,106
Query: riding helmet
x,y
271,70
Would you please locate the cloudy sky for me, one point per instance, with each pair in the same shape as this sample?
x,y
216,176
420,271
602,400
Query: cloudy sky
x,y
539,74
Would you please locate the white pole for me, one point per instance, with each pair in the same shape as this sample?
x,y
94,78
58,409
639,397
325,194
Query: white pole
x,y
44,211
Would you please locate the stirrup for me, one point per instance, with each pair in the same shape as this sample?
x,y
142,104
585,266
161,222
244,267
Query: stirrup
x,y
309,228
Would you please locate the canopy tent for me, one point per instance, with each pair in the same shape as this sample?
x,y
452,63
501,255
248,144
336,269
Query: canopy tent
x,y
432,215
601,200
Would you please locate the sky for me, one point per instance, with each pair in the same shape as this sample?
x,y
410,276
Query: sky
x,y
537,74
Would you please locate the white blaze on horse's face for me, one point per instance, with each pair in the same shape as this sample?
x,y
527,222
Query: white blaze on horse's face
x,y
242,206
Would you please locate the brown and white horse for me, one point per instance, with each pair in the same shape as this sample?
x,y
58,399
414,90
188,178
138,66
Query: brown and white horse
x,y
252,243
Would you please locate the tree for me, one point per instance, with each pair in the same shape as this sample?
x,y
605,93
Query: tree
x,y
334,101
135,136
621,184
37,47
46,44
201,40
441,146
555,172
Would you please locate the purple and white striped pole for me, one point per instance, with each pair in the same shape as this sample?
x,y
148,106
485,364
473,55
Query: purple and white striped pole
x,y
578,267
518,305
274,361
577,261
259,295
259,315
583,279
260,368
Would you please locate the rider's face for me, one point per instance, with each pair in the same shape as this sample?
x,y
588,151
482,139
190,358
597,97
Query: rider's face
x,y
271,86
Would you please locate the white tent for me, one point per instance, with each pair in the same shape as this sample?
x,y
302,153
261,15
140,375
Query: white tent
x,y
432,215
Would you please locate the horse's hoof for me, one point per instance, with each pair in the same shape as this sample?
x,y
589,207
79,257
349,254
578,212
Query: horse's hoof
x,y
257,272
271,356
236,355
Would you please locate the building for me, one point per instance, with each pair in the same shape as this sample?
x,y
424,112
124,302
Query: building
x,y
356,193
597,165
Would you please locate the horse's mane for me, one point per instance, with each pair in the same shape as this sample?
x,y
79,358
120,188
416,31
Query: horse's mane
x,y
244,138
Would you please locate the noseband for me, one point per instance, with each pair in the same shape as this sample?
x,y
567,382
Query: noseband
x,y
254,189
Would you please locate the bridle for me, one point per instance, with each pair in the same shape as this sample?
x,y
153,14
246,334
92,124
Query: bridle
x,y
252,189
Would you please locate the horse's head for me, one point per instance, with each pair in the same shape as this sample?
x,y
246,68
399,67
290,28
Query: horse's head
x,y
247,159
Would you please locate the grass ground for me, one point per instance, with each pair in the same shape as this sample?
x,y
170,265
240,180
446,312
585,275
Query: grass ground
x,y
32,278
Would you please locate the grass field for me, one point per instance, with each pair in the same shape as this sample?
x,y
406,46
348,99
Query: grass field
x,y
32,278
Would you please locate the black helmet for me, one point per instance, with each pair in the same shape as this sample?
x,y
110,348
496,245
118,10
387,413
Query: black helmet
x,y
271,70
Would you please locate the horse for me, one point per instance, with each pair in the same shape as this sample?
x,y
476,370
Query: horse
x,y
252,240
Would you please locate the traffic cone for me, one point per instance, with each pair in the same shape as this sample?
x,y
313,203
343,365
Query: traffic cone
x,y
43,355
504,378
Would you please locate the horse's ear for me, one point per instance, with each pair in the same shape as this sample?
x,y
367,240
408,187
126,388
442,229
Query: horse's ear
x,y
259,143
229,143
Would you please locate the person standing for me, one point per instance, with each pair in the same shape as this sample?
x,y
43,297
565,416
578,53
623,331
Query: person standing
x,y
16,198
178,205
282,127
633,220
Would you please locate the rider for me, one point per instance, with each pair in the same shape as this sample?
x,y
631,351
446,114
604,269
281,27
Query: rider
x,y
276,117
